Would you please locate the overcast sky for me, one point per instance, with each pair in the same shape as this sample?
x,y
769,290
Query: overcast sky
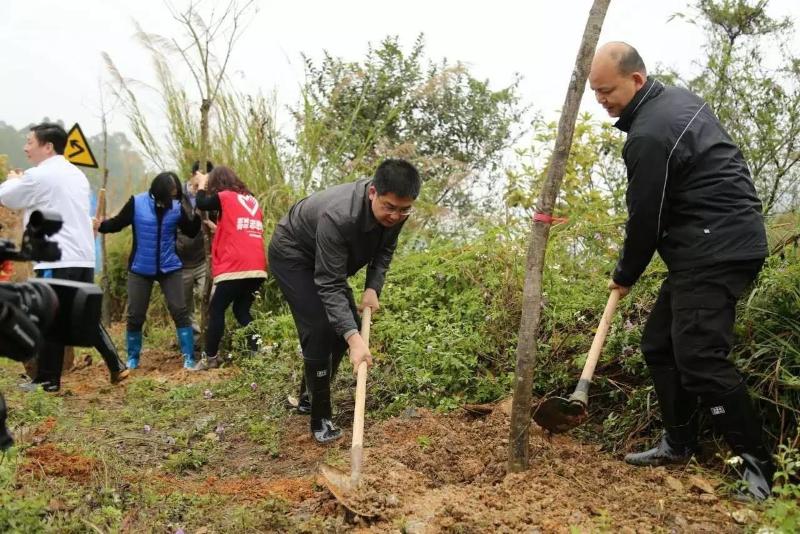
x,y
52,65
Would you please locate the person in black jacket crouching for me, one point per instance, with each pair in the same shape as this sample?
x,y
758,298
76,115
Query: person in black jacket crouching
x,y
691,198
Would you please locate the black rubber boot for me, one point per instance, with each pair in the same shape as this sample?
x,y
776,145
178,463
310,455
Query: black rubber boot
x,y
105,346
303,400
734,416
6,440
336,360
662,454
679,415
318,385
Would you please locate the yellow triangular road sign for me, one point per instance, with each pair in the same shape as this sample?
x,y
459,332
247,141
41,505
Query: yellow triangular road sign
x,y
77,150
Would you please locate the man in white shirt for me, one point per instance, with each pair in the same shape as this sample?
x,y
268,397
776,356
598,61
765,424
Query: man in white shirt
x,y
55,184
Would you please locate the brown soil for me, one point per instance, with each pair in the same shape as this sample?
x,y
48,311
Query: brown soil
x,y
49,460
425,472
159,365
448,474
244,489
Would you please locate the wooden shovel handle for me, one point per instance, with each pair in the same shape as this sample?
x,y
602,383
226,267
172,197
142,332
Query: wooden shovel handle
x,y
361,384
600,336
101,204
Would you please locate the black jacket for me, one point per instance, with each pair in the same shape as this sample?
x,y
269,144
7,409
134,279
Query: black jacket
x,y
690,195
191,250
335,234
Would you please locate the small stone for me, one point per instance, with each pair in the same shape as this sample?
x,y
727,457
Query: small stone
x,y
700,485
744,516
681,522
410,413
56,505
471,468
415,527
674,483
392,500
708,497
208,394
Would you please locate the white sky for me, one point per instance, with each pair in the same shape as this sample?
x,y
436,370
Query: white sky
x,y
51,60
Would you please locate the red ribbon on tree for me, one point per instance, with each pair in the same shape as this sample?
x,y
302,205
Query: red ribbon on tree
x,y
548,219
6,270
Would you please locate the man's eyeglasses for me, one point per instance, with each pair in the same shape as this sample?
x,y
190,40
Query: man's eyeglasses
x,y
404,212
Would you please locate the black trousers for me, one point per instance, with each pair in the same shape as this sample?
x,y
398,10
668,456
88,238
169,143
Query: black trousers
x,y
691,327
51,355
318,340
240,293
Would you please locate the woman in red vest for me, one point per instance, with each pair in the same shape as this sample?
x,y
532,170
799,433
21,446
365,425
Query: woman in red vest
x,y
238,262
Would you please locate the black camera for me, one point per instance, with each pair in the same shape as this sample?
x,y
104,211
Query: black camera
x,y
62,311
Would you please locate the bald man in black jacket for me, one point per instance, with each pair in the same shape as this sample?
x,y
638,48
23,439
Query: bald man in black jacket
x,y
691,198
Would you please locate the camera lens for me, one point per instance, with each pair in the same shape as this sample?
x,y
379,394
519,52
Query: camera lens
x,y
39,300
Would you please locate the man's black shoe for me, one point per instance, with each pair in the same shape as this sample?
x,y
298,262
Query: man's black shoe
x,y
325,431
661,454
304,404
757,476
301,405
46,385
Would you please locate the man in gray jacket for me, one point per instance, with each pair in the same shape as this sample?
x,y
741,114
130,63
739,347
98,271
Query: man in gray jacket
x,y
324,239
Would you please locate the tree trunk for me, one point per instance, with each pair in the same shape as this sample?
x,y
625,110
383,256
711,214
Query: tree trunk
x,y
205,108
106,304
540,231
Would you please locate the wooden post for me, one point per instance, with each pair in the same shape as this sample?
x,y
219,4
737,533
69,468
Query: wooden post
x,y
102,213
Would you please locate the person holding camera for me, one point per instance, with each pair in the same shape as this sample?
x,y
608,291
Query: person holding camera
x,y
155,216
55,184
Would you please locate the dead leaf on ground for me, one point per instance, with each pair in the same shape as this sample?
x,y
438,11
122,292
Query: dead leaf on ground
x,y
700,485
674,483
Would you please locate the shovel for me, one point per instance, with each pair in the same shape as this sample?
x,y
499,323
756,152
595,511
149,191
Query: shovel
x,y
558,414
340,483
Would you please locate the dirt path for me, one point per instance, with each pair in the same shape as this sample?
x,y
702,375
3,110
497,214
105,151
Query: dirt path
x,y
423,472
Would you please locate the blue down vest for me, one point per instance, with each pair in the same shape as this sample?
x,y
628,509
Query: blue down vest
x,y
154,241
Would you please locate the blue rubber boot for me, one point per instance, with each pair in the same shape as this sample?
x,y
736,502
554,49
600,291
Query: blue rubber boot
x,y
186,341
134,343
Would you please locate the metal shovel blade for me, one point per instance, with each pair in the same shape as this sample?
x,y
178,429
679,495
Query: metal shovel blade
x,y
558,414
342,485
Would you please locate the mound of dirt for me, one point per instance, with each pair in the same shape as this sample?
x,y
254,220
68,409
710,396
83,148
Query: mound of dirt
x,y
49,460
448,474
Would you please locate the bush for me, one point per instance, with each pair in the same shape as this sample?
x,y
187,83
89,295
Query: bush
x,y
447,332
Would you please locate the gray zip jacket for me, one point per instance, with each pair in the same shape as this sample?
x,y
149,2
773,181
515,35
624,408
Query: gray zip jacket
x,y
335,233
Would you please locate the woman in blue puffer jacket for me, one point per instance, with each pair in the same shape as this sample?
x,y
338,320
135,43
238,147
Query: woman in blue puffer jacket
x,y
155,216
